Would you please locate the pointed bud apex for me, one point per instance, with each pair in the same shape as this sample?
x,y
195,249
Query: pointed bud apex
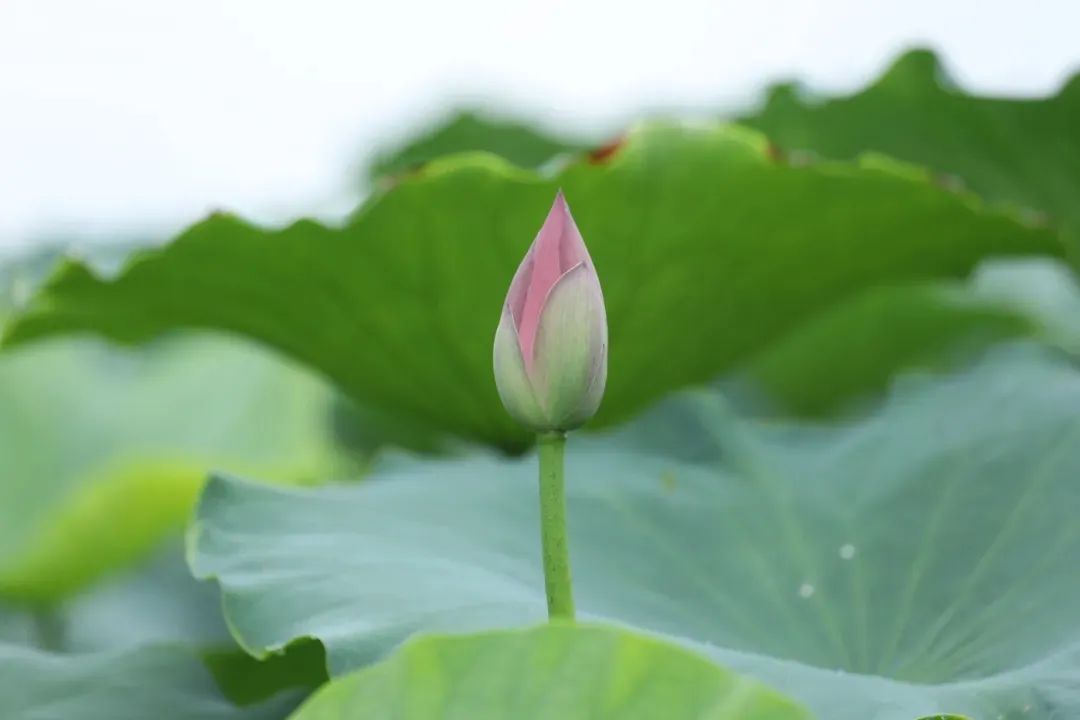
x,y
551,343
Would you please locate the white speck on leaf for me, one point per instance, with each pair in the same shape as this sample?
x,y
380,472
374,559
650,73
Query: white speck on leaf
x,y
847,551
806,590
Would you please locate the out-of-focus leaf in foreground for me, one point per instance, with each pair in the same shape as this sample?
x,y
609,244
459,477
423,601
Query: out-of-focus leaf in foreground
x,y
570,672
102,452
889,567
1014,151
707,249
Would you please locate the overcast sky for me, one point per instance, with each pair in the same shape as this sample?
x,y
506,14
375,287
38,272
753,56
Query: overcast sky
x,y
118,117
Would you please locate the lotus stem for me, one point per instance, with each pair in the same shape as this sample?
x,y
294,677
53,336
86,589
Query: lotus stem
x,y
557,583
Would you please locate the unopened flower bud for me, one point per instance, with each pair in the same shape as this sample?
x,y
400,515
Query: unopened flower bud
x,y
551,344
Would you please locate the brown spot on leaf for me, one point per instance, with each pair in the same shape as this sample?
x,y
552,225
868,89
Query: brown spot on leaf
x,y
606,151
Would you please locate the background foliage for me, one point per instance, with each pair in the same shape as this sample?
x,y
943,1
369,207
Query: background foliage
x,y
864,501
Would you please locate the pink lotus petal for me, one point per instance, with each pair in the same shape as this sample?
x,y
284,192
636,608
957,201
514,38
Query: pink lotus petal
x,y
558,247
515,297
572,249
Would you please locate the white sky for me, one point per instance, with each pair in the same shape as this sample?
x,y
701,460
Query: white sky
x,y
143,115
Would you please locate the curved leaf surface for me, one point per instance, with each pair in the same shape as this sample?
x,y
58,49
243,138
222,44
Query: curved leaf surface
x,y
888,568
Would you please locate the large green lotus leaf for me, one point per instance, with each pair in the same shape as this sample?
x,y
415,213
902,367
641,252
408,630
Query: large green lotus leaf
x,y
553,671
160,682
919,560
470,130
103,452
1016,151
707,250
853,350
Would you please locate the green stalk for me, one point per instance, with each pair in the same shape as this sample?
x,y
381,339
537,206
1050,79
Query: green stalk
x,y
560,593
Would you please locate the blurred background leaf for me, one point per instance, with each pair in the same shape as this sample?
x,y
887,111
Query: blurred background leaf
x,y
707,248
157,602
103,451
1018,152
850,354
145,637
845,358
167,682
520,143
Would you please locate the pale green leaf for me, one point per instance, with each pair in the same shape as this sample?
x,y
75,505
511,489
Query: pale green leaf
x,y
552,672
889,567
102,452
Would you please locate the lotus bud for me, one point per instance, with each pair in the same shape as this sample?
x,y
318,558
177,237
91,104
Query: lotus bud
x,y
551,343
